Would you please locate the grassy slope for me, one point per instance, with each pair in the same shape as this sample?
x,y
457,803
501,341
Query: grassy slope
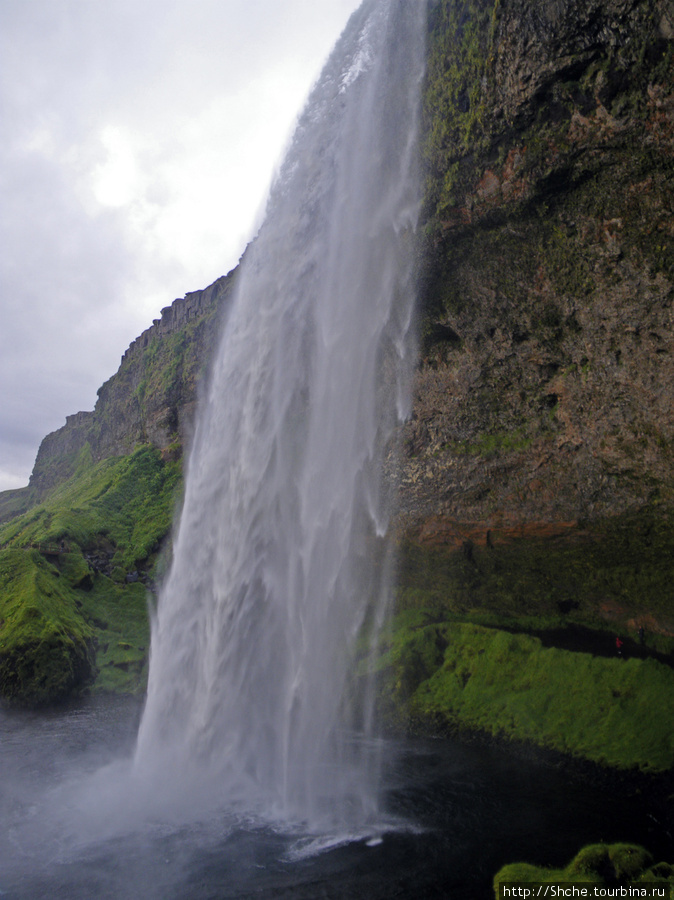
x,y
46,647
68,615
443,674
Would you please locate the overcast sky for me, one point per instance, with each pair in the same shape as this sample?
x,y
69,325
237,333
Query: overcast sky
x,y
138,139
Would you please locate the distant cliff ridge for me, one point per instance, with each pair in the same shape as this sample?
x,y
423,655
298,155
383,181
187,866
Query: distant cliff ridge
x,y
151,398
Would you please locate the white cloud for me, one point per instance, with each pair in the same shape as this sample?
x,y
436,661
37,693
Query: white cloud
x,y
137,143
117,180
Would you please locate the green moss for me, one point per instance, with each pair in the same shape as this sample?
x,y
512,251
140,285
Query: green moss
x,y
129,500
606,710
60,619
487,445
64,628
170,366
119,618
460,61
569,269
46,647
14,503
596,864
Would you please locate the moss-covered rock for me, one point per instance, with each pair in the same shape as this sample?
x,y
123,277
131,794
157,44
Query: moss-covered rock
x,y
46,647
614,572
600,864
75,572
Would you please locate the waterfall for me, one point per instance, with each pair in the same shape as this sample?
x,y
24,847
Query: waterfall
x,y
281,552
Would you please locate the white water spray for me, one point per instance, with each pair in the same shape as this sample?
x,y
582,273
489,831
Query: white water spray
x,y
280,554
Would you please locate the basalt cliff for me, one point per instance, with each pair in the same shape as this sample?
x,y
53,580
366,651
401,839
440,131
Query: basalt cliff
x,y
544,393
536,474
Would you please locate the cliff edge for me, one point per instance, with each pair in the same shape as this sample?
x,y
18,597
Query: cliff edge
x,y
152,397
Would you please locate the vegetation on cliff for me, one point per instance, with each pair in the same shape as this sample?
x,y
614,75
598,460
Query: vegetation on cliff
x,y
75,571
46,647
150,400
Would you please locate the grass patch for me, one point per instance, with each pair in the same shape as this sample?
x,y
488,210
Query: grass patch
x,y
610,711
119,619
13,503
488,445
46,647
127,500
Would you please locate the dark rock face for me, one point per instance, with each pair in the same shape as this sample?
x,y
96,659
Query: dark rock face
x,y
544,394
44,672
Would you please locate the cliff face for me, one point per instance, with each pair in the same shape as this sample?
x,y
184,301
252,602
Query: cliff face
x,y
153,395
82,544
545,395
543,399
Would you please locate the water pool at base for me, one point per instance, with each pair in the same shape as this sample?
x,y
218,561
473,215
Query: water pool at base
x,y
454,813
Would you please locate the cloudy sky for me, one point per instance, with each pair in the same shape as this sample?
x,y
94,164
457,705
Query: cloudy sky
x,y
138,139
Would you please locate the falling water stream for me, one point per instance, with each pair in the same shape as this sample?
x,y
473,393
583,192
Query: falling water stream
x,y
280,553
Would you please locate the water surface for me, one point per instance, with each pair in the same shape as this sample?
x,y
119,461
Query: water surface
x,y
453,814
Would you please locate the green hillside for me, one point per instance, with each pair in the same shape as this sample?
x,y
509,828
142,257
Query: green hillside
x,y
75,575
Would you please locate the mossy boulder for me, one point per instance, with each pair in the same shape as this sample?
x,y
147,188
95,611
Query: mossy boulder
x,y
75,573
46,647
600,864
